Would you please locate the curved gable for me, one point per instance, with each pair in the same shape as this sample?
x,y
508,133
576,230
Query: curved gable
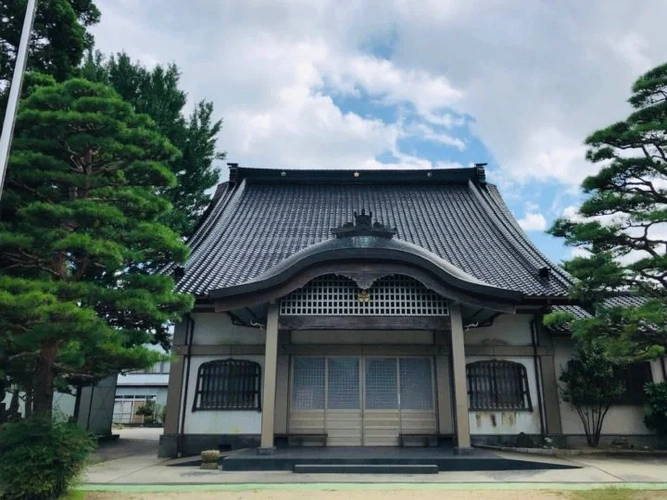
x,y
366,255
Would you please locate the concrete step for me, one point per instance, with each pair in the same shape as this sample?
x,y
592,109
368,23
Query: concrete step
x,y
365,469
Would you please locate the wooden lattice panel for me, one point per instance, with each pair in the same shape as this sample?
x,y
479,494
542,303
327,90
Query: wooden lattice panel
x,y
333,295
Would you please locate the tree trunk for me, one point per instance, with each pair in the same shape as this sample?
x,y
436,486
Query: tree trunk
x,y
44,378
13,413
27,410
77,402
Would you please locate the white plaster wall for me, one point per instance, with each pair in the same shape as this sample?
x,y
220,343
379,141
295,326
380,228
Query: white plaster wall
x,y
363,337
217,329
656,369
220,422
508,422
508,329
621,419
63,403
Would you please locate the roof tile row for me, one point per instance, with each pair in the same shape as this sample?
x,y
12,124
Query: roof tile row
x,y
253,225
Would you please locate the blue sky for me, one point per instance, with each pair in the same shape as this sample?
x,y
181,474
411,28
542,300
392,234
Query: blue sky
x,y
424,84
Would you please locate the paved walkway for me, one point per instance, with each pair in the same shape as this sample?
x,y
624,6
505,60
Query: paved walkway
x,y
133,441
141,470
362,492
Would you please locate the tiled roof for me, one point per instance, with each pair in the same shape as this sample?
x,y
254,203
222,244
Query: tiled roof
x,y
261,217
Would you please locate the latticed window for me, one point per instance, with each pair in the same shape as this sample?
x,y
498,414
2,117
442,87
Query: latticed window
x,y
230,384
497,385
333,295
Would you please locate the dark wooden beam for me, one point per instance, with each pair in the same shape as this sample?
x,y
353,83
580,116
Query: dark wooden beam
x,y
364,322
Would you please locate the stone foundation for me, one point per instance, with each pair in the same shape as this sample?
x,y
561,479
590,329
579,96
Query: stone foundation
x,y
194,444
565,441
618,441
507,440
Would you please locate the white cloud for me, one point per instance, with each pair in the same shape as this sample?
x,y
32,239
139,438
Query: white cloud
x,y
578,252
537,77
428,133
656,233
393,85
531,206
632,48
276,87
533,222
572,212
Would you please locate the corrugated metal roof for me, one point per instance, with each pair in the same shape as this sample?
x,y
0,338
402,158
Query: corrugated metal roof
x,y
265,216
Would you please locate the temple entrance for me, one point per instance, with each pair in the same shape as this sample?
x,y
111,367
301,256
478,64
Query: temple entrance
x,y
362,400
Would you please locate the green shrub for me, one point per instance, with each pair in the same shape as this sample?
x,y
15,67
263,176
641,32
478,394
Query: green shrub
x,y
41,458
147,410
590,385
655,407
163,413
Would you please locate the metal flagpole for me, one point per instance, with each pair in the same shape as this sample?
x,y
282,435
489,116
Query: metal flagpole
x,y
15,90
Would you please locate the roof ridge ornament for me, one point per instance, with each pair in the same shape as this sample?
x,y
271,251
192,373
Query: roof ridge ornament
x,y
480,172
363,226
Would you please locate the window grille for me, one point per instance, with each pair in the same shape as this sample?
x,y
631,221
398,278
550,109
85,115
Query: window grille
x,y
416,385
229,384
343,384
333,295
308,387
381,384
497,385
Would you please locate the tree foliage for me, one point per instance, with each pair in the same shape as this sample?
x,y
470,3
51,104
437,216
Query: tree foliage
x,y
58,42
156,92
80,239
655,408
41,459
622,225
591,385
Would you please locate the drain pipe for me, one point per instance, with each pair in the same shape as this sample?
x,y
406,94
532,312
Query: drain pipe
x,y
189,334
538,376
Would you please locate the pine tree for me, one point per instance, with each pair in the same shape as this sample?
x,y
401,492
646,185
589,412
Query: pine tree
x,y
58,42
80,241
157,93
621,227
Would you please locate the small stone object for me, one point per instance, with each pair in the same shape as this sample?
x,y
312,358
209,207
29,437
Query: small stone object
x,y
523,440
209,459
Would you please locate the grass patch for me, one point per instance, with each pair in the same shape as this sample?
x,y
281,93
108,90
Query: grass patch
x,y
76,495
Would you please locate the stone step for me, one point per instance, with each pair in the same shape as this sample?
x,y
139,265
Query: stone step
x,y
365,469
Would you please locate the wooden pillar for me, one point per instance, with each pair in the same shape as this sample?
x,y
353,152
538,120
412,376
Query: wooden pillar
x,y
270,373
459,375
176,377
444,388
550,394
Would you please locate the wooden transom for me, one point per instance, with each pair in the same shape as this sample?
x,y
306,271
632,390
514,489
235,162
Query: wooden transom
x,y
333,295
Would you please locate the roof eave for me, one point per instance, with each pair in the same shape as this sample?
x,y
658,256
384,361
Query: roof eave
x,y
365,253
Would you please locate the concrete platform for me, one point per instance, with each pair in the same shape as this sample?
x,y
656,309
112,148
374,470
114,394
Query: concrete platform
x,y
285,459
364,469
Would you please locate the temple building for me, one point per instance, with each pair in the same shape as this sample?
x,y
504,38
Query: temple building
x,y
395,308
